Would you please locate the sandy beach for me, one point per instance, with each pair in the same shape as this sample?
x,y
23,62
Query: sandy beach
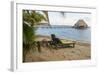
x,y
81,51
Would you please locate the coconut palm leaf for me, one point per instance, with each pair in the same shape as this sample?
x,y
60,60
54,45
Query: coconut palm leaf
x,y
46,13
30,19
63,14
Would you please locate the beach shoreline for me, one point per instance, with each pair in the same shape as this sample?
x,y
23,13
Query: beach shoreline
x,y
81,51
42,37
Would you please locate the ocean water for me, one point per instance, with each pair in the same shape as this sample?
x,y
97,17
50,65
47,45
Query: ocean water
x,y
66,33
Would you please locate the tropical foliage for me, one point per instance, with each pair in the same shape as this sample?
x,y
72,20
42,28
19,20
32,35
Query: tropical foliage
x,y
30,19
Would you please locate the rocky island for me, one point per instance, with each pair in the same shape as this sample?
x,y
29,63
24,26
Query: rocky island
x,y
80,24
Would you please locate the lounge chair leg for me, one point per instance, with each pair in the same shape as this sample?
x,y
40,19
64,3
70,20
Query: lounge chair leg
x,y
73,45
39,46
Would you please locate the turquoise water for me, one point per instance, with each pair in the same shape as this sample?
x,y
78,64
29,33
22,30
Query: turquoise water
x,y
66,33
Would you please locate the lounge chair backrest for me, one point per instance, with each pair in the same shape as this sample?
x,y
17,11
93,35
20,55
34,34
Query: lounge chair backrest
x,y
55,39
53,36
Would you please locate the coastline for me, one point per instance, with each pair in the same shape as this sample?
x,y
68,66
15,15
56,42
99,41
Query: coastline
x,y
81,51
41,37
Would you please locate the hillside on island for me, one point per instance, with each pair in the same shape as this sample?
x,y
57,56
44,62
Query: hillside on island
x,y
81,24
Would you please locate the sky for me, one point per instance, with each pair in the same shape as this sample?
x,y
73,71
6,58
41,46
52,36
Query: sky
x,y
69,18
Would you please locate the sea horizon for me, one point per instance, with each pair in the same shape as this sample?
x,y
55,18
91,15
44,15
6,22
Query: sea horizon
x,y
66,32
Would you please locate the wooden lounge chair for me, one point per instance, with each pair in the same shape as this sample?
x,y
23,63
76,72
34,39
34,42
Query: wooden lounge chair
x,y
57,43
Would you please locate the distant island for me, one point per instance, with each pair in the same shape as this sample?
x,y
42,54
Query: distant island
x,y
80,24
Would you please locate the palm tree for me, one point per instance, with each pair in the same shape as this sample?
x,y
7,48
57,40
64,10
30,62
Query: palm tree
x,y
63,14
46,13
30,19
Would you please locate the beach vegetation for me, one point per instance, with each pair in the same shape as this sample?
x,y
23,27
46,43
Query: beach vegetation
x,y
30,19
